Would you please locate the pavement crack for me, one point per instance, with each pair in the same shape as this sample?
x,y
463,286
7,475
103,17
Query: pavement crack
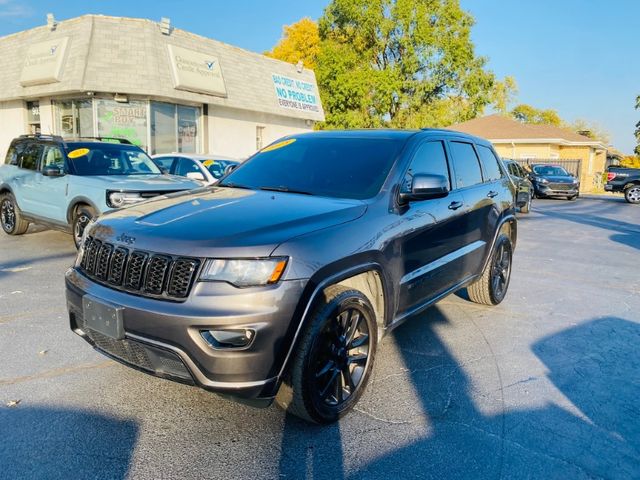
x,y
381,419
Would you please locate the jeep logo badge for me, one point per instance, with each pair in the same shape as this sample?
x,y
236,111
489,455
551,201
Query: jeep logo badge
x,y
124,238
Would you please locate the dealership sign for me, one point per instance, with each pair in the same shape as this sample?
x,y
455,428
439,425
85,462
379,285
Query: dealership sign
x,y
43,62
196,71
295,94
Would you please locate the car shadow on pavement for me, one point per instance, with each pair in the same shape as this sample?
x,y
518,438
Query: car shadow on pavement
x,y
9,267
596,433
50,443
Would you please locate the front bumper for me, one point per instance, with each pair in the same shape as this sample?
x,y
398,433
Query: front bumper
x,y
548,191
163,338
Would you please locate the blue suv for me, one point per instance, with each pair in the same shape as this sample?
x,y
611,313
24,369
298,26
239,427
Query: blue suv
x,y
64,184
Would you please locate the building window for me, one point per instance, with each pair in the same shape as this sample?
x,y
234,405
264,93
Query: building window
x,y
33,117
123,120
74,118
259,137
174,128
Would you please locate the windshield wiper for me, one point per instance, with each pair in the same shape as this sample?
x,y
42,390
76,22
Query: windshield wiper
x,y
233,185
284,189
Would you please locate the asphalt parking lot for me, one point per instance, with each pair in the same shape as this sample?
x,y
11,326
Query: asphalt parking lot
x,y
546,385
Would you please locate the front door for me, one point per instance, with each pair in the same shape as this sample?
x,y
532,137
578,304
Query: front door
x,y
436,233
51,192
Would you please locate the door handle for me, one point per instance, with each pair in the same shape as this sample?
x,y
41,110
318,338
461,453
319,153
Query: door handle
x,y
455,205
492,194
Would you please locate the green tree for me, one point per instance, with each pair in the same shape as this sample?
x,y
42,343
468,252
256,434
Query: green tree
x,y
400,63
300,42
528,114
504,92
591,130
637,132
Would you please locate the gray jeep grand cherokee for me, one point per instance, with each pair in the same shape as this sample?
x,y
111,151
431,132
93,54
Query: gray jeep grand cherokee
x,y
279,282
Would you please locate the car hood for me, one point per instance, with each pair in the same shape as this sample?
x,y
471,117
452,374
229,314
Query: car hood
x,y
222,221
144,182
557,178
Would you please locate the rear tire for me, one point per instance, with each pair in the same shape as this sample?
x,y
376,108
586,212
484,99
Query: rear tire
x,y
82,215
333,361
632,194
492,286
10,216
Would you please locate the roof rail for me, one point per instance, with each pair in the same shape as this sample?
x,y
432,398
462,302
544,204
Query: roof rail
x,y
57,138
123,141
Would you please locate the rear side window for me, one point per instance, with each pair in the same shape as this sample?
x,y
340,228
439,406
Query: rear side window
x,y
31,156
430,158
490,163
465,164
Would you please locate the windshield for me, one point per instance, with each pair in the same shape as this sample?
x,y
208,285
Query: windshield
x,y
345,167
109,159
217,167
550,170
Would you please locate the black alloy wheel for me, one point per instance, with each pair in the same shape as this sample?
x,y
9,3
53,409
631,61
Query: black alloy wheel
x,y
339,357
334,358
11,217
7,215
501,271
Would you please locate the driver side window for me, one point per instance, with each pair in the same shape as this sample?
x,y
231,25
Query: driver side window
x,y
430,158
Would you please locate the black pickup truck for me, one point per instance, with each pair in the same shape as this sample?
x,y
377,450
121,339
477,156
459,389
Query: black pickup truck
x,y
625,180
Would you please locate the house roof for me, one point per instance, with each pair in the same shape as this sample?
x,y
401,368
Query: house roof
x,y
499,128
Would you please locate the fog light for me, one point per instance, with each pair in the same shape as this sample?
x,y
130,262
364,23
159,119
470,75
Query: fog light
x,y
228,338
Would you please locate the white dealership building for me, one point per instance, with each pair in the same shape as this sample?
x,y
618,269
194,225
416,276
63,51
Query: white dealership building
x,y
164,89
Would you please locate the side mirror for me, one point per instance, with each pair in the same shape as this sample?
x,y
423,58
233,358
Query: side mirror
x,y
196,176
52,171
164,171
425,187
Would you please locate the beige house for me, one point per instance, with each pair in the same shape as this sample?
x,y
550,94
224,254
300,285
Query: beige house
x,y
521,141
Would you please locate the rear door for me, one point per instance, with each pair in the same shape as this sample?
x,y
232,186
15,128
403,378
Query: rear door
x,y
25,180
481,214
430,248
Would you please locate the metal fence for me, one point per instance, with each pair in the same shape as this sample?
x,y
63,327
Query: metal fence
x,y
574,167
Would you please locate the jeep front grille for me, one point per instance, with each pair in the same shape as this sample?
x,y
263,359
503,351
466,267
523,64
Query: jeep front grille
x,y
143,273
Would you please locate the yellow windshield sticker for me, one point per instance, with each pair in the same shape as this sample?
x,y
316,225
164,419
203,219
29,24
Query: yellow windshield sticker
x,y
208,163
80,152
278,145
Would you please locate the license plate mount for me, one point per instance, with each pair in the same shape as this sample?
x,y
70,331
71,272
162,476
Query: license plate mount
x,y
103,317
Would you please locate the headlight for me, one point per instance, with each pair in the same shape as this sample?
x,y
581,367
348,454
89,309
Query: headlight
x,y
575,182
542,180
244,272
121,199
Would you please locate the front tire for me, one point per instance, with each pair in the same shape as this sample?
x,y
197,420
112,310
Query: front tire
x,y
10,216
492,286
632,194
334,359
81,217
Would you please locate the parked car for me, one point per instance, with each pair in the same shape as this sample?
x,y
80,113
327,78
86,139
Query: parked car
x,y
524,187
554,181
205,168
625,180
64,184
278,282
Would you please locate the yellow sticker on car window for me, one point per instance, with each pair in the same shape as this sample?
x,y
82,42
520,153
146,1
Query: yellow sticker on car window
x,y
278,145
208,163
80,152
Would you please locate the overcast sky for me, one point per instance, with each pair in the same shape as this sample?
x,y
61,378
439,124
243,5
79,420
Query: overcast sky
x,y
579,57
